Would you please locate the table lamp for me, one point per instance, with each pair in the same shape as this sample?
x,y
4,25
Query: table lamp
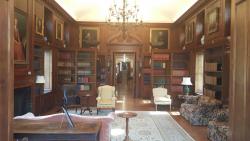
x,y
186,82
40,79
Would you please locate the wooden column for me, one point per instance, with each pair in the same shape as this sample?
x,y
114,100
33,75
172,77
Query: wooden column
x,y
240,71
6,68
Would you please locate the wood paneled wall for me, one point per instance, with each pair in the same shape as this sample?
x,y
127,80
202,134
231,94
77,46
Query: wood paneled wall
x,y
6,68
240,72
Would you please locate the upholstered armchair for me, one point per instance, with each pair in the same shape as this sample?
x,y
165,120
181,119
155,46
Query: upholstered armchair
x,y
198,110
218,127
106,98
161,97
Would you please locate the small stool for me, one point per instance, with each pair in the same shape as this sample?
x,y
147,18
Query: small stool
x,y
87,104
127,115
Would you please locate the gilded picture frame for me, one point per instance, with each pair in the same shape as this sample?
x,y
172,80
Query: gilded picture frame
x,y
39,26
21,44
159,38
213,20
89,37
59,30
189,32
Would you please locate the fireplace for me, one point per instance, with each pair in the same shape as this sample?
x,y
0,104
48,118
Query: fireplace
x,y
22,101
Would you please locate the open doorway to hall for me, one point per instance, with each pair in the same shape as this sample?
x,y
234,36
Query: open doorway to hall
x,y
124,73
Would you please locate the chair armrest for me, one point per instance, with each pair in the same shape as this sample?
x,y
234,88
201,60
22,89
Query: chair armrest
x,y
113,98
98,98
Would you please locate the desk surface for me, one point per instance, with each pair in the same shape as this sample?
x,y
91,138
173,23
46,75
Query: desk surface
x,y
55,130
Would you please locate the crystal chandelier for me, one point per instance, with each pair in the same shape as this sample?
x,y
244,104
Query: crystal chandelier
x,y
124,16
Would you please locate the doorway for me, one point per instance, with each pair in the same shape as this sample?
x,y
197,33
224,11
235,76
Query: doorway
x,y
124,73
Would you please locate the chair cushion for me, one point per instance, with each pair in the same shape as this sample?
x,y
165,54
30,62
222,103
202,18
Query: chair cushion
x,y
162,100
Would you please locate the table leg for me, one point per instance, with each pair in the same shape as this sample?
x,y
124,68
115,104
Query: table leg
x,y
127,133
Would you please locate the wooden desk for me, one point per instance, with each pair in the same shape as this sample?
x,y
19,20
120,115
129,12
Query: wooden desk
x,y
44,130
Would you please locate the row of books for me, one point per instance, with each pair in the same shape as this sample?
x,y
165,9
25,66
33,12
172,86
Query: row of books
x,y
176,80
159,65
209,93
213,80
84,72
65,79
211,67
177,89
64,64
180,72
84,87
82,79
65,55
83,64
180,56
161,72
64,72
160,56
161,81
38,51
179,65
83,55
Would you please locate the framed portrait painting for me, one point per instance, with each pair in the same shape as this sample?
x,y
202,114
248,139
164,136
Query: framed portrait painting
x,y
21,48
59,30
89,37
189,32
39,26
213,20
159,38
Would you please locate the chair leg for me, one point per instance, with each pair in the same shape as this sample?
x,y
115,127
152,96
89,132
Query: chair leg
x,y
170,107
155,107
97,111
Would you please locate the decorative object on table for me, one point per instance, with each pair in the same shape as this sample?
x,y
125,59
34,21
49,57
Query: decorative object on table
x,y
20,38
89,37
159,38
40,80
186,82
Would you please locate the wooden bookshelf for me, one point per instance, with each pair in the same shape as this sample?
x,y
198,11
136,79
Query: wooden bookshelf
x,y
66,70
213,73
161,70
146,77
178,71
86,73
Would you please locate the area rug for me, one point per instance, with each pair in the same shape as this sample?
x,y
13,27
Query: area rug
x,y
149,126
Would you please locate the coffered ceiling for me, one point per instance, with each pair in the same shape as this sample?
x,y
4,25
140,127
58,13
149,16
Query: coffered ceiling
x,y
151,11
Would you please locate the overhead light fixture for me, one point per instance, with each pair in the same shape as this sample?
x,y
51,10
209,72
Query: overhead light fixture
x,y
124,16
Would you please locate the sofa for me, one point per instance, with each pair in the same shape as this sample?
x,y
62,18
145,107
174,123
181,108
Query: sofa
x,y
218,128
198,110
105,130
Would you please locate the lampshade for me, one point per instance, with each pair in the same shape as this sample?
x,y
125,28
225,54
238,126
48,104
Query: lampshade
x,y
186,81
40,79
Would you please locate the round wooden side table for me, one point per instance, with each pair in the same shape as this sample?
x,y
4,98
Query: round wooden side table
x,y
127,115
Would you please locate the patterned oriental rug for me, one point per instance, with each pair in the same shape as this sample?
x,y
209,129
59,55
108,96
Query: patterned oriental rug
x,y
149,126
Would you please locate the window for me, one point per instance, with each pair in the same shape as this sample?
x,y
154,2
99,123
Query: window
x,y
48,70
199,69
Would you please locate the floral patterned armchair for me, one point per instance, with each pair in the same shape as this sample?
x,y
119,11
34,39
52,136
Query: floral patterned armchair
x,y
218,128
198,110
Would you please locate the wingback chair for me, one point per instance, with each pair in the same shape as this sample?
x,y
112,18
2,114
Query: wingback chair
x,y
106,98
161,97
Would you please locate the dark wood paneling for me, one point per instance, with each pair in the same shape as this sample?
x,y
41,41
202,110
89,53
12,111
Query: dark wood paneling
x,y
6,68
240,64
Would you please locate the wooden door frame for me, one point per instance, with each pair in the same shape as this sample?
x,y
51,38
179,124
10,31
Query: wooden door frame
x,y
127,49
114,60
